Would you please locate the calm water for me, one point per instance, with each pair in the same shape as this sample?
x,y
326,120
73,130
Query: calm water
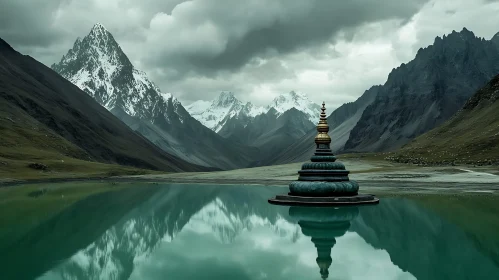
x,y
221,232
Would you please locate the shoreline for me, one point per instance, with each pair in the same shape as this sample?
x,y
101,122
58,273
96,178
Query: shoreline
x,y
366,185
369,173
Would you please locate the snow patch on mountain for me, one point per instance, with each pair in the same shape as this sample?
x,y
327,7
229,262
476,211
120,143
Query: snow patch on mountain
x,y
253,110
299,101
98,66
198,107
226,106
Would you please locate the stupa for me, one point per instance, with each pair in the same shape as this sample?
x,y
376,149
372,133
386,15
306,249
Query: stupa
x,y
323,181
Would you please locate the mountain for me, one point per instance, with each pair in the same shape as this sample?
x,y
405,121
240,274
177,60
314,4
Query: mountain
x,y
45,117
272,129
226,113
271,132
495,39
341,122
223,109
299,101
425,92
471,136
98,66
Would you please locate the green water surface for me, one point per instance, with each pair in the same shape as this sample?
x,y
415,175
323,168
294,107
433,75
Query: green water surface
x,y
231,232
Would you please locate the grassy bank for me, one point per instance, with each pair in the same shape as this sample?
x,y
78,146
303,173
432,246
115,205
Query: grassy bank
x,y
471,137
46,167
29,150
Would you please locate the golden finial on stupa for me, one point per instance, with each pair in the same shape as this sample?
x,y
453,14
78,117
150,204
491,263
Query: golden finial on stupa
x,y
323,128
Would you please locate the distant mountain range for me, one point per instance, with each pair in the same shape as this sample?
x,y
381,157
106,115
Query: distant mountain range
x,y
226,107
341,121
271,129
222,113
417,97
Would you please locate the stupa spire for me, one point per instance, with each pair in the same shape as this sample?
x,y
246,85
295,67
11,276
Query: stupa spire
x,y
322,140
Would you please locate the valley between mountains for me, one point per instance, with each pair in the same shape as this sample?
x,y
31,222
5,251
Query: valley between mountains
x,y
95,114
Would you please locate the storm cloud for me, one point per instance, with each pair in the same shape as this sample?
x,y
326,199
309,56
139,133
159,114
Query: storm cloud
x,y
212,35
29,23
330,50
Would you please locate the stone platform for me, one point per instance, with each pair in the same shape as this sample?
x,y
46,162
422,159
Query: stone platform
x,y
294,200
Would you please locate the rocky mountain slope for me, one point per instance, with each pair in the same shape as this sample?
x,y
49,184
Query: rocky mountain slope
x,y
44,115
495,39
425,92
341,122
471,136
272,133
98,65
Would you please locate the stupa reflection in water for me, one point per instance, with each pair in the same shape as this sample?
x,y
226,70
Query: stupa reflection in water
x,y
323,181
324,225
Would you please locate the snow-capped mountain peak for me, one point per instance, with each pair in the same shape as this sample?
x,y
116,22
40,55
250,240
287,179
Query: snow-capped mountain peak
x,y
225,99
300,101
98,66
98,27
215,114
252,110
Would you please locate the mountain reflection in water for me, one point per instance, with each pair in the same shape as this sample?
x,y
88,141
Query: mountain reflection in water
x,y
223,232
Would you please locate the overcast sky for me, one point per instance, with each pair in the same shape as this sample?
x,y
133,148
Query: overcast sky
x,y
332,50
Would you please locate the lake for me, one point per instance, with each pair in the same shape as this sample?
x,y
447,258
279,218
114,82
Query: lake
x,y
231,232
